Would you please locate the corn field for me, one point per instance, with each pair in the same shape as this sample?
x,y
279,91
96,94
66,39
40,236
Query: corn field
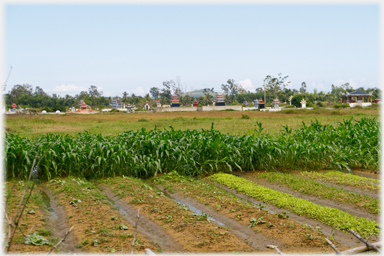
x,y
343,145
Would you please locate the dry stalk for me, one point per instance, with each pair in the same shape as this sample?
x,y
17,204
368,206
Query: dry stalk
x,y
365,241
25,190
134,233
62,240
30,193
333,246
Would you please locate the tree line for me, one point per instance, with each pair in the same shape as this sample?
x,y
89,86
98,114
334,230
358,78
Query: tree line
x,y
234,94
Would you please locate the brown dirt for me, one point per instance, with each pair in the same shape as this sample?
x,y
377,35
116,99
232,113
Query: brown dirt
x,y
59,225
146,226
367,174
352,209
240,230
286,233
192,233
92,221
29,223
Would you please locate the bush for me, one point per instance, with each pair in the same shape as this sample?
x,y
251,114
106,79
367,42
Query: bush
x,y
245,117
296,100
339,106
143,120
114,110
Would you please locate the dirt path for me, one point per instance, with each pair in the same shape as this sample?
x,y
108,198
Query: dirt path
x,y
58,224
256,240
366,174
345,240
146,226
354,210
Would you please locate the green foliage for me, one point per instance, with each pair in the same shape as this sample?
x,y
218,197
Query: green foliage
x,y
313,187
35,239
142,153
344,178
296,100
245,117
331,216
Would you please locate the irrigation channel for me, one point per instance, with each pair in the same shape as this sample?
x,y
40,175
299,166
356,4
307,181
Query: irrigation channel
x,y
181,214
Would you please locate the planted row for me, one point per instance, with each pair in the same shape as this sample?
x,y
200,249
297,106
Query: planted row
x,y
146,153
255,217
313,187
328,215
338,177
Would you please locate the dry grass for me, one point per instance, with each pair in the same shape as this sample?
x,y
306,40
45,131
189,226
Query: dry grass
x,y
226,122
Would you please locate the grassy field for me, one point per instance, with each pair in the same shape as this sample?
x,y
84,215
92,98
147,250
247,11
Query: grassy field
x,y
226,122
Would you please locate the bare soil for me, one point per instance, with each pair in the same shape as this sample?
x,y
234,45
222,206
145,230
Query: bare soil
x,y
58,224
194,233
98,226
146,226
29,223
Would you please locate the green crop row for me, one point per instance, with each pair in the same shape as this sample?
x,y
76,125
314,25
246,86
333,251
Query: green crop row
x,y
145,153
344,178
328,215
312,187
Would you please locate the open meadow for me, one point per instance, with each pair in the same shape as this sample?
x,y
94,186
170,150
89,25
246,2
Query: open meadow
x,y
233,182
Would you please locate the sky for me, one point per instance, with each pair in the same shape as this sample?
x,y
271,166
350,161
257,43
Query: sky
x,y
66,48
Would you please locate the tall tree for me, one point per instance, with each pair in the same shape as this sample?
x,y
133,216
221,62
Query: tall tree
x,y
125,95
155,92
231,89
276,84
209,94
166,93
93,92
303,88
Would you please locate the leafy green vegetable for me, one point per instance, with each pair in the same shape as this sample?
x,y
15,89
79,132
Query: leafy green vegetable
x,y
35,239
328,215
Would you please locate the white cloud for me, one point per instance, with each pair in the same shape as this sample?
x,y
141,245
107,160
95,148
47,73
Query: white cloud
x,y
139,91
70,89
317,86
247,85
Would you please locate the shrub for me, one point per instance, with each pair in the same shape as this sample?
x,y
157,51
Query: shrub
x,y
245,117
296,100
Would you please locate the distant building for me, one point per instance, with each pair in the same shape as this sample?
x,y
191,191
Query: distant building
x,y
175,102
116,103
219,101
195,103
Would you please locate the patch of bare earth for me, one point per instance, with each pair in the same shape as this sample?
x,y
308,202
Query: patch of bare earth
x,y
29,223
193,232
289,235
145,226
98,225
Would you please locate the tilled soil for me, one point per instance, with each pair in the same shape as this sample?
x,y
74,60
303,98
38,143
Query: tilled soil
x,y
29,223
192,231
344,240
98,226
58,224
240,230
352,209
145,226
